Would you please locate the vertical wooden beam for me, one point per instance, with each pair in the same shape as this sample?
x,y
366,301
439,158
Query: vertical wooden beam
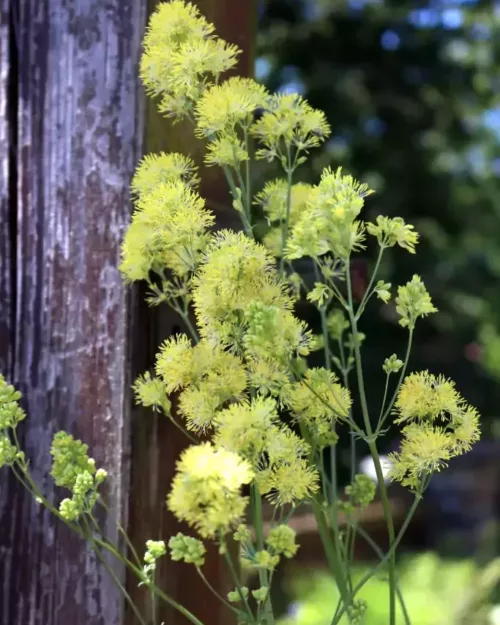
x,y
155,444
79,107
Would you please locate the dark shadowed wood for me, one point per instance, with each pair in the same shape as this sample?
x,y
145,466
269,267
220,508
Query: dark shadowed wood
x,y
78,104
155,444
6,155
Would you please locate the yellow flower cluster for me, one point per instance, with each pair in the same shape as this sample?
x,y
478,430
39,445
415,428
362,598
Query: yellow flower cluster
x,y
241,304
206,490
224,114
329,224
413,301
390,232
439,425
277,455
169,228
289,124
208,376
273,200
182,57
318,401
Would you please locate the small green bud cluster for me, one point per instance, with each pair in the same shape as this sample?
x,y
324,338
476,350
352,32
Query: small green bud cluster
x,y
84,495
74,470
10,415
360,493
187,549
281,541
356,612
234,595
261,594
155,550
262,559
383,291
392,364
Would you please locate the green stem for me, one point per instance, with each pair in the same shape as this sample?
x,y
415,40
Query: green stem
x,y
259,534
400,381
214,592
383,561
234,192
286,226
89,537
248,178
380,554
332,553
236,581
368,291
375,455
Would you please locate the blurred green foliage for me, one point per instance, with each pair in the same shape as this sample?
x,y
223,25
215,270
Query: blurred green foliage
x,y
436,592
412,91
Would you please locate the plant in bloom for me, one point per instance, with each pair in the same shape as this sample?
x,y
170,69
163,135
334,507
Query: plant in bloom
x,y
261,420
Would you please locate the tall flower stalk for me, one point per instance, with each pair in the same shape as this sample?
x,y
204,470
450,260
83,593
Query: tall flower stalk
x,y
242,365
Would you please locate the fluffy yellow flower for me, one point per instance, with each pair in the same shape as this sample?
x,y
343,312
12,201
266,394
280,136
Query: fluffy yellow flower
x,y
206,490
237,272
318,401
228,106
426,396
209,377
289,482
182,57
438,426
155,169
291,121
244,427
169,230
329,222
413,301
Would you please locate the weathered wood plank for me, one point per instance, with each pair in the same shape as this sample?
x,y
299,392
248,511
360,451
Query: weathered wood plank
x,y
78,112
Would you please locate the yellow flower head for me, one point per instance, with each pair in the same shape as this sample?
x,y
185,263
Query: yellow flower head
x,y
169,230
291,121
237,272
155,169
425,449
390,232
426,396
244,427
413,301
182,57
175,362
209,376
329,222
224,108
206,490
171,25
318,401
439,426
289,482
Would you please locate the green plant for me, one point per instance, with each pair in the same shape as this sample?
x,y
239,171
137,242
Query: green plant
x,y
241,372
436,592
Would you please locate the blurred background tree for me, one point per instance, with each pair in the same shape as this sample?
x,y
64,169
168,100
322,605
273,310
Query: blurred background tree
x,y
412,91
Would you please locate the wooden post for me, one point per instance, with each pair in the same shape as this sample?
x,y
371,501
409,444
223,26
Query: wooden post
x,y
72,125
73,116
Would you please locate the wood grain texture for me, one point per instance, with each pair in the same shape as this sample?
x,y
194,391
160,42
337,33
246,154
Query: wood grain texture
x,y
78,105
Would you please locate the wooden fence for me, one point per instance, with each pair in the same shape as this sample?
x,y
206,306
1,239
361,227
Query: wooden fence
x,y
73,123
